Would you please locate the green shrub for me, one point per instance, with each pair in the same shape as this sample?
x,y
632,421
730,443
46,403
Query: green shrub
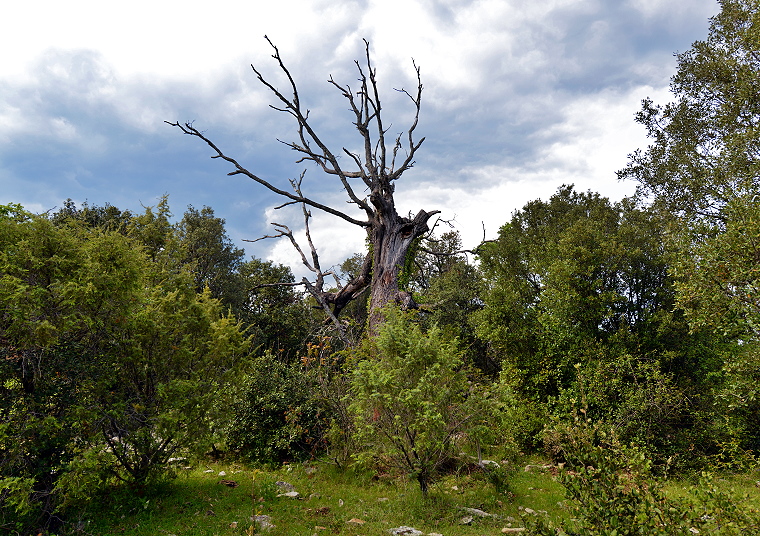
x,y
610,491
521,420
672,424
280,416
740,398
412,399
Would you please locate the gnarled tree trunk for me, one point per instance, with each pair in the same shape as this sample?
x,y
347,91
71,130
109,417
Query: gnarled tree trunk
x,y
391,238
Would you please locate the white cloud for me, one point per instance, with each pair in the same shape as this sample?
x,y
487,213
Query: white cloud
x,y
520,97
671,9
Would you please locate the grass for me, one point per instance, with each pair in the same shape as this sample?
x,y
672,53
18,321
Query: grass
x,y
330,502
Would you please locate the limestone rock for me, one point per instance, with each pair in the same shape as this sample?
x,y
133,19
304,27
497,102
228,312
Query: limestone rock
x,y
405,531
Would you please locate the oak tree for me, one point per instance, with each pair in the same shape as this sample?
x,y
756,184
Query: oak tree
x,y
703,166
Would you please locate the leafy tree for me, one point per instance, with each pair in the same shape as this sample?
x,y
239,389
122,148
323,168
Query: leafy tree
x,y
259,293
276,315
567,274
213,258
110,363
106,217
432,257
703,167
448,289
153,230
577,289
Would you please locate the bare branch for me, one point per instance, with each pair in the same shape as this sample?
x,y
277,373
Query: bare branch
x,y
319,296
189,129
413,146
306,133
389,234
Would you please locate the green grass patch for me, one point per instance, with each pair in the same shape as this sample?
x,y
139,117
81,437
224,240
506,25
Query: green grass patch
x,y
331,501
201,501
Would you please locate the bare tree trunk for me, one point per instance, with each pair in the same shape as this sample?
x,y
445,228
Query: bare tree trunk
x,y
391,238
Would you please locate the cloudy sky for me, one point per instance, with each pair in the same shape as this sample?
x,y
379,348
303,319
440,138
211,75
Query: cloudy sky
x,y
520,97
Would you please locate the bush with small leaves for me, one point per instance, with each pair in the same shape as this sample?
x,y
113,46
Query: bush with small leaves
x,y
280,416
610,491
412,398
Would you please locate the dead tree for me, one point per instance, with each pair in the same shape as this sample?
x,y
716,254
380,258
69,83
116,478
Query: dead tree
x,y
379,164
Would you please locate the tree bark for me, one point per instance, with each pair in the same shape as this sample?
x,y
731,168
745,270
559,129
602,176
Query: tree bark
x,y
391,238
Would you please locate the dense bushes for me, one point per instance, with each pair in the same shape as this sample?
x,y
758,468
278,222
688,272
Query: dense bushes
x,y
610,491
110,363
280,415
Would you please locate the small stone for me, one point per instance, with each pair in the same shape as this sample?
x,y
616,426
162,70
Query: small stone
x,y
222,473
285,485
512,530
264,522
340,502
208,471
434,534
382,499
355,521
405,531
290,494
529,468
233,525
466,520
529,511
477,512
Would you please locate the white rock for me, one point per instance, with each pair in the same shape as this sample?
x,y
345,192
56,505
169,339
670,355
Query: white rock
x,y
264,522
477,512
405,531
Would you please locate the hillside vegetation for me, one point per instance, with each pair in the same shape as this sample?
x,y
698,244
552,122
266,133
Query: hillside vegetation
x,y
594,369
